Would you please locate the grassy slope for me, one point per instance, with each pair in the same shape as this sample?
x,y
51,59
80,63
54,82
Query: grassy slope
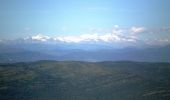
x,y
52,80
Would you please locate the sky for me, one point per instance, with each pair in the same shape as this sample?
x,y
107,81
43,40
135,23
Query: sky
x,y
70,19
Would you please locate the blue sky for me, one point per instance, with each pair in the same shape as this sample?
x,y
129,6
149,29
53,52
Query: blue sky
x,y
22,18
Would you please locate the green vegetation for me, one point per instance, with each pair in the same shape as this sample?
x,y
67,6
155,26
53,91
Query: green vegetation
x,y
69,80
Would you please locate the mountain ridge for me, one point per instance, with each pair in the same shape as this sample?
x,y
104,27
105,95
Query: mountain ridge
x,y
42,52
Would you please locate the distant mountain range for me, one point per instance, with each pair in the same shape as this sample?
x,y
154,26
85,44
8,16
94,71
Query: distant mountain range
x,y
24,51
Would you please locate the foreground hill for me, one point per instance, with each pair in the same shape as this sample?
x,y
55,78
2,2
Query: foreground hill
x,y
69,80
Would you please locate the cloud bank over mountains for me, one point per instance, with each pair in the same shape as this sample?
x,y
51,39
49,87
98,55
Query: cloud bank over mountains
x,y
109,37
117,35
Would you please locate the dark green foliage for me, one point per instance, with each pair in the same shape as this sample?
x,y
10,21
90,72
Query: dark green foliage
x,y
69,80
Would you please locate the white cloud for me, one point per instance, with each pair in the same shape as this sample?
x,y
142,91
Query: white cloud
x,y
108,37
117,30
79,38
38,37
137,29
116,34
132,39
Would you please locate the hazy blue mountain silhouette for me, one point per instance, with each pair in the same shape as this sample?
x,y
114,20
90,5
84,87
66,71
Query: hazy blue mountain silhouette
x,y
33,52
